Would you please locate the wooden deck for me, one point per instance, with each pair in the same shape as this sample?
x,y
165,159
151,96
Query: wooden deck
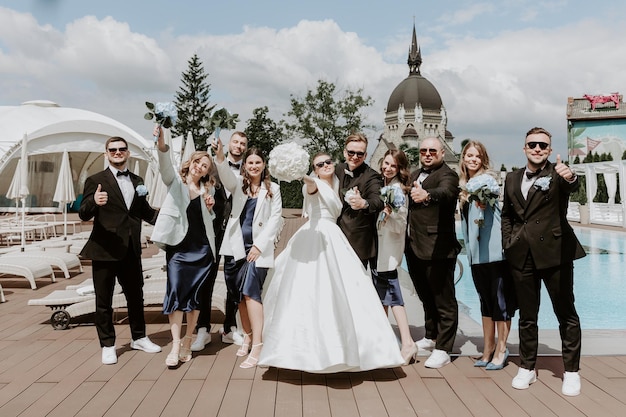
x,y
44,372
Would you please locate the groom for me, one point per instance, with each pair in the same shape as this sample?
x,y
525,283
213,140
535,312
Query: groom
x,y
358,215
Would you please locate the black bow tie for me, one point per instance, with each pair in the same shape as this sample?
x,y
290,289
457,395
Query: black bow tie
x,y
348,172
531,175
234,165
426,171
124,173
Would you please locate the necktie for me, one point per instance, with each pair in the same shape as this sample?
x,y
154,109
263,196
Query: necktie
x,y
234,165
530,175
124,173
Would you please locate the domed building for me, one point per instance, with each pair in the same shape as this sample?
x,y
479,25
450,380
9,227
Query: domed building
x,y
414,111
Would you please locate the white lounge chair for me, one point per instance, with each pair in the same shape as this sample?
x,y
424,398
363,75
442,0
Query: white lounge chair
x,y
28,268
62,260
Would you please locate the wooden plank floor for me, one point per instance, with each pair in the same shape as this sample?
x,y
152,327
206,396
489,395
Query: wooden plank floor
x,y
44,372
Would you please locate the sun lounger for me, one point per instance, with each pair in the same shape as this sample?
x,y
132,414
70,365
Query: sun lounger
x,y
28,268
62,260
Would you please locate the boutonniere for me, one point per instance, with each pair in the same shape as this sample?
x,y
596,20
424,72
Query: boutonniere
x,y
543,183
141,190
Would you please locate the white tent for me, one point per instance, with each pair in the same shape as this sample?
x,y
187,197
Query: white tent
x,y
51,129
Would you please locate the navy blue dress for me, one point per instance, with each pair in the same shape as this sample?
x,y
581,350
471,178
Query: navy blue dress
x,y
188,264
243,278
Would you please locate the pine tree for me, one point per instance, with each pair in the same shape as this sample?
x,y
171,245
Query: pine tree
x,y
192,103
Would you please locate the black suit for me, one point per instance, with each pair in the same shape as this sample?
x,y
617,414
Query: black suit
x,y
115,250
431,249
359,226
539,244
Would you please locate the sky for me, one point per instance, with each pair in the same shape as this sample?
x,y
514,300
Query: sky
x,y
501,67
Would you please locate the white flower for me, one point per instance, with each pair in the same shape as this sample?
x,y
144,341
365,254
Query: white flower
x,y
543,183
349,194
288,162
142,190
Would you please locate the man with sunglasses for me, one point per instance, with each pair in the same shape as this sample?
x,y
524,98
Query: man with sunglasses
x,y
116,200
540,245
358,215
431,249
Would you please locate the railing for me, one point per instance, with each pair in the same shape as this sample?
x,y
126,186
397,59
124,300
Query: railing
x,y
599,213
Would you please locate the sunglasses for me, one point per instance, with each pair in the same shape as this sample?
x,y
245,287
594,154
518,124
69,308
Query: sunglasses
x,y
113,151
326,162
542,145
431,151
357,153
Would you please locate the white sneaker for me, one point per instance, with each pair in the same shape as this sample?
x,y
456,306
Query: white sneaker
x,y
524,378
145,344
232,337
109,355
571,384
203,338
425,344
437,359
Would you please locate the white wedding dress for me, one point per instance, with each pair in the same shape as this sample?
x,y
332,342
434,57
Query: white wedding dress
x,y
322,313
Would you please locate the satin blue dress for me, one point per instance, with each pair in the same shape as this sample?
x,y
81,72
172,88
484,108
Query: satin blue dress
x,y
188,264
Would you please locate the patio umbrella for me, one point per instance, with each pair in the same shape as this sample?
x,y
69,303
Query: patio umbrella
x,y
24,186
189,148
136,168
64,192
14,189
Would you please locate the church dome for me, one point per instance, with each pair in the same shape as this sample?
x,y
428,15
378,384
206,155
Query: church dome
x,y
412,90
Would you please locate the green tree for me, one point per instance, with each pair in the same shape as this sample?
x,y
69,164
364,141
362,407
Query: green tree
x,y
325,117
412,154
192,103
262,131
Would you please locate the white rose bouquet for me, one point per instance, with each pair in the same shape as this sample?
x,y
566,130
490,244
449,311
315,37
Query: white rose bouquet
x,y
288,162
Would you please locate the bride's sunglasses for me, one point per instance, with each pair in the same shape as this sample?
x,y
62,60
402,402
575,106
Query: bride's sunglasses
x,y
326,162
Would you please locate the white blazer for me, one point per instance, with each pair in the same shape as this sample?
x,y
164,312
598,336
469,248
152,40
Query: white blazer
x,y
391,236
266,222
172,224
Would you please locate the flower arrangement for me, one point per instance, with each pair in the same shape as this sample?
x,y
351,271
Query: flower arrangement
x,y
141,190
483,189
543,183
348,194
288,162
221,120
392,196
165,114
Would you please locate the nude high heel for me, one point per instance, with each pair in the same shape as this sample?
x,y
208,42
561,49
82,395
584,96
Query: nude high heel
x,y
173,357
410,354
245,346
185,351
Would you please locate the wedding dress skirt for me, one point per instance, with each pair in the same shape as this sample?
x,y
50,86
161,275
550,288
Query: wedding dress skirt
x,y
322,313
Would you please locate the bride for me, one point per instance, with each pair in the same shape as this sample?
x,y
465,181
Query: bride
x,y
322,313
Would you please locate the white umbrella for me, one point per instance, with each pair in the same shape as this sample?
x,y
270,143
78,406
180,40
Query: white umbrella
x,y
14,189
64,192
24,186
189,149
136,168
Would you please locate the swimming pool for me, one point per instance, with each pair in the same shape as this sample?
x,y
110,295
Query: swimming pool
x,y
599,284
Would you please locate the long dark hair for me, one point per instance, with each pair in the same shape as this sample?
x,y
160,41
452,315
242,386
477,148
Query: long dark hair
x,y
265,175
402,162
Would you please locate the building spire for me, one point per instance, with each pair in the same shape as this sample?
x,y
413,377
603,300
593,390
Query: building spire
x,y
415,55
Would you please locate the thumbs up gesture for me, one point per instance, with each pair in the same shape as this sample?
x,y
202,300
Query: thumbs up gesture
x,y
563,170
418,194
100,197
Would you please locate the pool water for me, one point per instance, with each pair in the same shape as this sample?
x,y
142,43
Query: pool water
x,y
599,284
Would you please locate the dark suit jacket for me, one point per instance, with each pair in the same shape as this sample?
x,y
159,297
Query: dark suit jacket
x,y
114,226
359,226
538,224
431,227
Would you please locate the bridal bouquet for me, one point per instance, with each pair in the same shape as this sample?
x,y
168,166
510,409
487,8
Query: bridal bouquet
x,y
165,114
485,190
392,196
288,162
221,120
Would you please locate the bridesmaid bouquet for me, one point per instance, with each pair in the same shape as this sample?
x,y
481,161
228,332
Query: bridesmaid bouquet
x,y
288,162
165,114
485,190
392,196
221,120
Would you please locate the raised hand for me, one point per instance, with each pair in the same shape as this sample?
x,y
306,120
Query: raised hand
x,y
100,197
563,170
418,194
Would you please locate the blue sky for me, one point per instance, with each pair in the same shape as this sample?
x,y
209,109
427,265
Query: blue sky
x,y
501,67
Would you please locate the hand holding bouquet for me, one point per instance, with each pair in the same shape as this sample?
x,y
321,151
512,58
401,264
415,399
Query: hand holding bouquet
x,y
484,190
288,162
392,196
221,120
165,114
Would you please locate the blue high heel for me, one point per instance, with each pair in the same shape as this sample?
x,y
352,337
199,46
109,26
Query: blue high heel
x,y
481,363
491,367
